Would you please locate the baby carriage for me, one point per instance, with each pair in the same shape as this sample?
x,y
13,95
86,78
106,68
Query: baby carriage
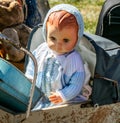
x,y
102,63
103,59
109,21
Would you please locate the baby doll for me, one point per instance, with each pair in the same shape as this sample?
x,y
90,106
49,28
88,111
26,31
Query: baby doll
x,y
61,71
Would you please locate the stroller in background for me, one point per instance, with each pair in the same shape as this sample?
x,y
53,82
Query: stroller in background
x,y
109,21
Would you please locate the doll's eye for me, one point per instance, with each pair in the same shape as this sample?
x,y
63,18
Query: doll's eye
x,y
66,40
53,38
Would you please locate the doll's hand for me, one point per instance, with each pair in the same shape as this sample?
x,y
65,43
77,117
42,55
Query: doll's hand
x,y
55,98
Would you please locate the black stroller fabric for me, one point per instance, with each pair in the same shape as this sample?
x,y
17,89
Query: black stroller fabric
x,y
109,21
106,82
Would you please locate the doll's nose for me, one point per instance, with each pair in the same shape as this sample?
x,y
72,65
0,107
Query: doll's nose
x,y
58,45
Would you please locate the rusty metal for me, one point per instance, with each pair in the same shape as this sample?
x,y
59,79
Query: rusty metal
x,y
67,114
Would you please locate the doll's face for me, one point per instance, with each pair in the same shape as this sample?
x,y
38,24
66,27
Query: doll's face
x,y
61,41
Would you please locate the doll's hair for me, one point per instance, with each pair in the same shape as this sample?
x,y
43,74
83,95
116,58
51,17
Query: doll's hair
x,y
62,19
